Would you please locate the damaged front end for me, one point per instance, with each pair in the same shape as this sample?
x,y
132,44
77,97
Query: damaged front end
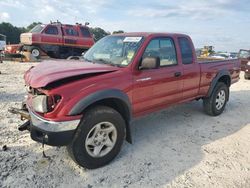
x,y
43,130
51,89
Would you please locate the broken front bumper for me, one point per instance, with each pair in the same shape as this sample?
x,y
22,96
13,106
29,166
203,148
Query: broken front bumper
x,y
45,131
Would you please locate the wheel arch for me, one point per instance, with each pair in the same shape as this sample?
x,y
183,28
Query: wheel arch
x,y
113,98
224,77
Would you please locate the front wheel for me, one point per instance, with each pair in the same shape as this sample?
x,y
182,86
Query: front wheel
x,y
35,52
98,138
215,104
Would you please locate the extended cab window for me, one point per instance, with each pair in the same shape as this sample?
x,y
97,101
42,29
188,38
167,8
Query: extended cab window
x,y
51,30
186,50
85,32
71,32
163,48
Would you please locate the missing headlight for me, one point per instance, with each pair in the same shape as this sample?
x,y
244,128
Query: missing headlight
x,y
39,103
44,103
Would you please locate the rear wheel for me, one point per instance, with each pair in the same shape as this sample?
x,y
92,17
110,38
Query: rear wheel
x,y
215,104
98,138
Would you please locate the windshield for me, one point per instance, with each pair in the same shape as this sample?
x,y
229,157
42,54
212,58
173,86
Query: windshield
x,y
114,50
244,54
37,29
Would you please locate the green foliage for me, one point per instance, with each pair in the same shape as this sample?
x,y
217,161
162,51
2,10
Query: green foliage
x,y
31,26
119,31
98,33
12,32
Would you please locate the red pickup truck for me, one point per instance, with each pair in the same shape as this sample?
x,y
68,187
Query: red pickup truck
x,y
88,105
244,56
57,40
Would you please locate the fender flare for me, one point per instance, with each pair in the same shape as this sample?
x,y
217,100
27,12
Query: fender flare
x,y
85,102
216,79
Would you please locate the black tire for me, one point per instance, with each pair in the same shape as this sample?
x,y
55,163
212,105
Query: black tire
x,y
36,52
77,149
209,103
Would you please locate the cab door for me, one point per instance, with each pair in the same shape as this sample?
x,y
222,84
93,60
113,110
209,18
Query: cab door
x,y
71,36
157,88
191,69
52,35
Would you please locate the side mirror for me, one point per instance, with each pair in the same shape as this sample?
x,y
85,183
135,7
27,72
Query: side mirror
x,y
150,63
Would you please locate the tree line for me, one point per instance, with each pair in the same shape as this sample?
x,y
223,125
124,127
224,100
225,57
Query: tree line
x,y
13,33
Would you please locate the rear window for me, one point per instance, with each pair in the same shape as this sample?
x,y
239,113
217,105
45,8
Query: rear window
x,y
71,32
51,30
186,50
85,32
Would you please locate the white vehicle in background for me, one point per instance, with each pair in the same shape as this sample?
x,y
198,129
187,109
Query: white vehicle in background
x,y
2,42
220,55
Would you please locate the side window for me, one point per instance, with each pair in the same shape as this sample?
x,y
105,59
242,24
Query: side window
x,y
163,48
85,32
186,50
71,32
51,30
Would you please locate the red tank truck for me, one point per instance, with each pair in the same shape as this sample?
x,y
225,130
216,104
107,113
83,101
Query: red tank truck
x,y
57,40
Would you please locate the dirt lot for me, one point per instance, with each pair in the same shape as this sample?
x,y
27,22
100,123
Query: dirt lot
x,y
177,147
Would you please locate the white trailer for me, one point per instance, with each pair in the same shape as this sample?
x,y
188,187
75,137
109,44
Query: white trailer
x,y
2,42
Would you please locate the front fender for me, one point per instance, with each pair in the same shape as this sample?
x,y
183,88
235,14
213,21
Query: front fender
x,y
97,96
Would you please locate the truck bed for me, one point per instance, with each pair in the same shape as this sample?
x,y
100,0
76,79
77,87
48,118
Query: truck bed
x,y
210,68
213,60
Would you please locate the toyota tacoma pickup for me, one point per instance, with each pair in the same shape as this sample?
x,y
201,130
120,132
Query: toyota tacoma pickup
x,y
88,105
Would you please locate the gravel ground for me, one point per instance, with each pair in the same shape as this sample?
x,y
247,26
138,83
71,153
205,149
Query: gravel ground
x,y
177,147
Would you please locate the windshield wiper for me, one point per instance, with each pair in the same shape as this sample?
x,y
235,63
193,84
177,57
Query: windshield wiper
x,y
88,60
106,62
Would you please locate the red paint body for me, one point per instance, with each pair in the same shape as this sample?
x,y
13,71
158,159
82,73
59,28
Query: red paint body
x,y
163,90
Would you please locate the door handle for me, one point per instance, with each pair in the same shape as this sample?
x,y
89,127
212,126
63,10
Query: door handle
x,y
143,79
177,74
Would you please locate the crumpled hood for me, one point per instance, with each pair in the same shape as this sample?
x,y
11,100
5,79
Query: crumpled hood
x,y
49,71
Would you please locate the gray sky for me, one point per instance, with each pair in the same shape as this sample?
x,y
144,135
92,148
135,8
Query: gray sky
x,y
224,24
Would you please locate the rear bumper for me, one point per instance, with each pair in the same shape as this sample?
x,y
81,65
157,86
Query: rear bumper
x,y
50,132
